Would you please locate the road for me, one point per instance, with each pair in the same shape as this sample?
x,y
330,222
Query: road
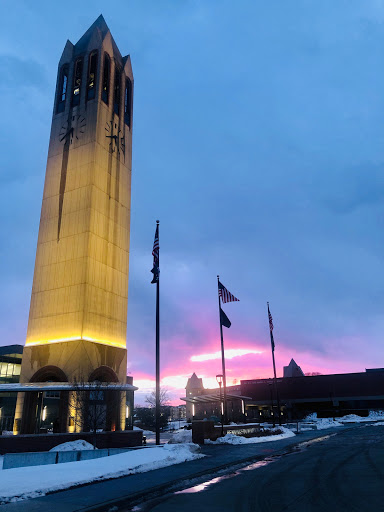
x,y
343,472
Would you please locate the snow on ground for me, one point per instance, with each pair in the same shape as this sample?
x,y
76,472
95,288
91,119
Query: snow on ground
x,y
145,432
322,423
73,446
183,436
378,424
233,439
23,483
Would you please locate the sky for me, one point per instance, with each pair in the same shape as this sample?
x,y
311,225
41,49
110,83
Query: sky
x,y
258,143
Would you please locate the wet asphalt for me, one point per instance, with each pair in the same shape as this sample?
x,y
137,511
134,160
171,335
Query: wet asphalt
x,y
342,472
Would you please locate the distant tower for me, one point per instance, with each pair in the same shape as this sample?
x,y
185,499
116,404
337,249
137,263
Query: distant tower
x,y
194,387
293,370
78,313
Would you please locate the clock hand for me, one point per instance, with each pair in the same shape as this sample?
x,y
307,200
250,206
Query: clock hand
x,y
66,135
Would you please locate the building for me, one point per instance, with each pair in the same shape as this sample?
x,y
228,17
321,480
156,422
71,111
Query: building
x,y
208,403
76,337
299,395
10,368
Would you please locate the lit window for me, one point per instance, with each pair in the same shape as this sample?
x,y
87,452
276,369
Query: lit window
x,y
116,92
128,102
62,91
92,71
3,369
106,79
77,75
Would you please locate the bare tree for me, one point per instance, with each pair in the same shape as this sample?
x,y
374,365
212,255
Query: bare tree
x,y
164,398
95,406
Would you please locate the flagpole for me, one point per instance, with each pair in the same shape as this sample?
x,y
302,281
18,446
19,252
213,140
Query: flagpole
x,y
158,350
274,367
223,360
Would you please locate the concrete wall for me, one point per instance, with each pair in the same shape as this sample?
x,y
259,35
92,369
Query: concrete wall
x,y
44,442
20,460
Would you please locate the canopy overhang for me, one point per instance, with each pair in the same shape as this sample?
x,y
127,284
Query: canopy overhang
x,y
202,399
64,386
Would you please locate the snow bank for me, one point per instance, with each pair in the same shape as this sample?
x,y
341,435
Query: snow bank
x,y
29,482
145,432
73,446
184,436
322,423
233,439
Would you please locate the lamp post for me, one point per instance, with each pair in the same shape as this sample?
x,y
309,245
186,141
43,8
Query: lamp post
x,y
219,379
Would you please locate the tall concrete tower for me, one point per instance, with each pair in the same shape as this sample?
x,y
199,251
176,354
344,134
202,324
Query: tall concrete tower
x,y
78,313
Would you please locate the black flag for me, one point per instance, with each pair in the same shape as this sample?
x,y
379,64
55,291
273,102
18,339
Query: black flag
x,y
224,319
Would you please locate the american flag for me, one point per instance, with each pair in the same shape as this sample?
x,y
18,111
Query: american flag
x,y
270,320
155,253
156,247
225,295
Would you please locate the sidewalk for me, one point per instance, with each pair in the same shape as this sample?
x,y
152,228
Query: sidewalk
x,y
101,496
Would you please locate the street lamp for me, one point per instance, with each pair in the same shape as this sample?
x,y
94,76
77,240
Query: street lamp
x,y
219,379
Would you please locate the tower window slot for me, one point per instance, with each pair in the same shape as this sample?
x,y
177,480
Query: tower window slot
x,y
116,92
77,82
106,79
62,92
128,102
92,73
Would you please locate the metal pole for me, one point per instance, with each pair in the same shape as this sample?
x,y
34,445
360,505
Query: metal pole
x,y
223,360
221,413
274,371
272,404
158,355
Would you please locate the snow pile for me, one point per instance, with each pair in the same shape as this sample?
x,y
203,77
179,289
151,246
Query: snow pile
x,y
233,439
145,432
29,482
323,423
184,436
73,446
349,418
372,416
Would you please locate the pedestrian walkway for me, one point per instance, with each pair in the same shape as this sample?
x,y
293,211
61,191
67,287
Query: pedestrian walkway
x,y
103,495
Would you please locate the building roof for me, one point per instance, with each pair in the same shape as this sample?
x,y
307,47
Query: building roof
x,y
194,382
11,349
214,397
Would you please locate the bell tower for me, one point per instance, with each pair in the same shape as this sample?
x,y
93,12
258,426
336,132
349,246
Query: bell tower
x,y
78,312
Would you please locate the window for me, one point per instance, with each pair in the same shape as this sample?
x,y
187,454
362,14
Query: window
x,y
128,102
106,79
62,92
116,92
92,71
77,75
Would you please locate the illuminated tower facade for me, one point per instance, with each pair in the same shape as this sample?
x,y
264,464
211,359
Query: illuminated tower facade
x,y
78,313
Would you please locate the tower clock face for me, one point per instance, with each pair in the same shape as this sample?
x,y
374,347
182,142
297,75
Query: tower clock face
x,y
116,137
73,130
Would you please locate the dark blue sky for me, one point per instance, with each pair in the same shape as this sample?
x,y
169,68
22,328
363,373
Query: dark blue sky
x,y
258,143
